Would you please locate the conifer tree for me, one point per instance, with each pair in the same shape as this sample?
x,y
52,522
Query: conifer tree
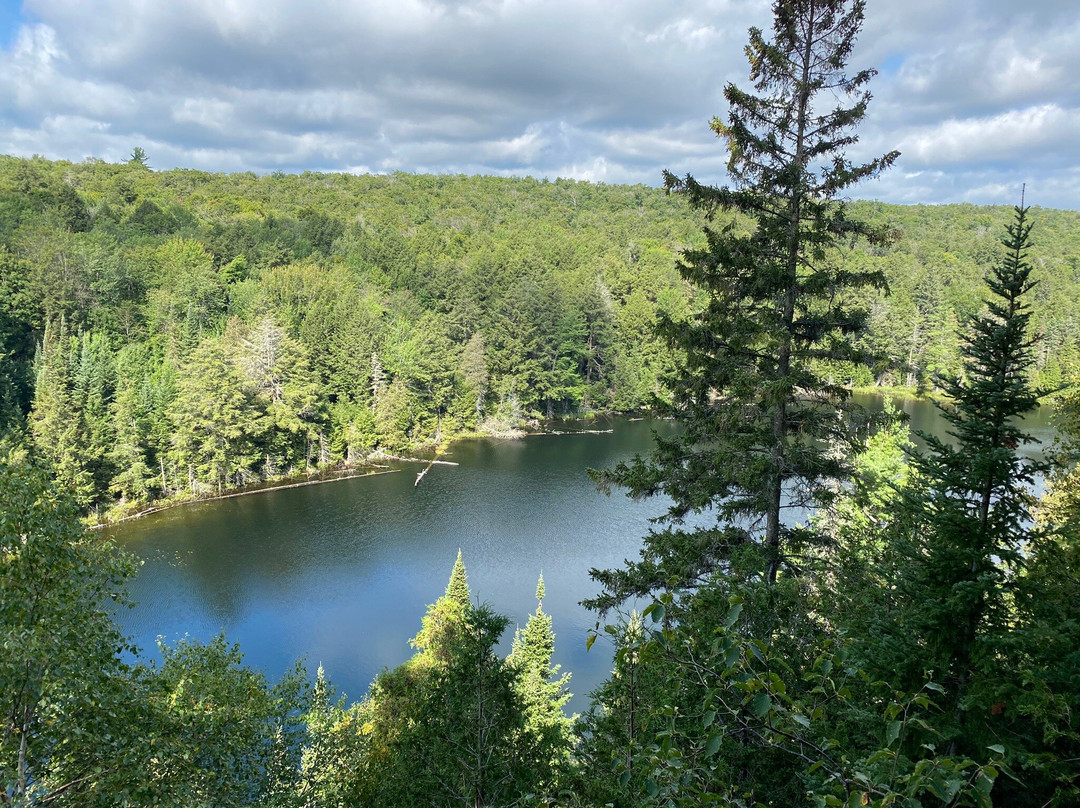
x,y
55,419
445,619
969,521
548,730
457,589
758,413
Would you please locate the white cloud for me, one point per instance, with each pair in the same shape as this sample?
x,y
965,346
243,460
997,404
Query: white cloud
x,y
973,91
1015,135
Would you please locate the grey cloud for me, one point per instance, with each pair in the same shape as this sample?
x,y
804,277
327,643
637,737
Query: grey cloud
x,y
972,91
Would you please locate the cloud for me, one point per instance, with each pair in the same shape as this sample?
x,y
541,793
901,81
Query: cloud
x,y
971,90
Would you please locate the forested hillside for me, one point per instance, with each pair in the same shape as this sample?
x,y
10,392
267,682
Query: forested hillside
x,y
831,616
180,332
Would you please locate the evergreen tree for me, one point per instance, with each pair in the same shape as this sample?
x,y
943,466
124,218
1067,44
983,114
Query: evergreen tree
x,y
55,421
1046,708
758,417
284,388
94,382
134,479
972,511
444,618
457,589
213,421
964,539
475,372
444,732
548,731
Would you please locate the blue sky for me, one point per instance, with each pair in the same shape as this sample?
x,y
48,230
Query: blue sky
x,y
11,20
979,95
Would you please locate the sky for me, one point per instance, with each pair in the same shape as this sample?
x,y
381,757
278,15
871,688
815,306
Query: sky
x,y
979,96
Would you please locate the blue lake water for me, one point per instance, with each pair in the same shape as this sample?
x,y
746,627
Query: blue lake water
x,y
341,573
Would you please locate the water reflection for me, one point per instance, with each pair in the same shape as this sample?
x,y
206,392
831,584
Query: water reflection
x,y
341,573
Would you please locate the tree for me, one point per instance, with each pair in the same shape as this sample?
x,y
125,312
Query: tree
x,y
277,368
62,717
758,416
131,412
213,420
547,733
442,728
475,372
1048,608
222,735
966,538
457,589
138,158
55,417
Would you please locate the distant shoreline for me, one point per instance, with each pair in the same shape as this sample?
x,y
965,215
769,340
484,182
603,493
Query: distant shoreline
x,y
164,505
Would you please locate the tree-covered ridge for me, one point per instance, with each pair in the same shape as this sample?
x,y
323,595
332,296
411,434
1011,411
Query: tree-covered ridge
x,y
327,316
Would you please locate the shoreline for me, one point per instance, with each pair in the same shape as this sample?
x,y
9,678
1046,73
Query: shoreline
x,y
294,481
374,469
167,505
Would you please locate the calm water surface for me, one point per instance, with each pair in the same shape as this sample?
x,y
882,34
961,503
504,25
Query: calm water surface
x,y
340,574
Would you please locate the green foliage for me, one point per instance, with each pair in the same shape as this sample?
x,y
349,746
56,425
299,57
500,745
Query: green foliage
x,y
214,420
221,734
547,735
488,302
970,514
806,732
758,417
957,580
457,589
899,651
63,714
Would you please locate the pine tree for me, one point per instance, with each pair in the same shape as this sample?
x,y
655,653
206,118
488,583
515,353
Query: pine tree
x,y
548,730
55,417
758,414
213,421
445,619
458,587
967,523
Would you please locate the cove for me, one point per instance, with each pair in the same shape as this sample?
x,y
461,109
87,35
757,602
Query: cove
x,y
340,574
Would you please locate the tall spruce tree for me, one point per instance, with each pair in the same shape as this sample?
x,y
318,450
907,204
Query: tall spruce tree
x,y
758,407
968,530
547,734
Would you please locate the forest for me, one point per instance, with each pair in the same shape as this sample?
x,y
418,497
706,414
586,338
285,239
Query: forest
x,y
328,317
914,642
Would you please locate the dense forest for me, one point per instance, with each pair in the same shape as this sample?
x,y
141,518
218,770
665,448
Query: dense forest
x,y
914,642
174,333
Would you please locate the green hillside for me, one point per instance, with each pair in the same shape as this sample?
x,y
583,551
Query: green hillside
x,y
179,332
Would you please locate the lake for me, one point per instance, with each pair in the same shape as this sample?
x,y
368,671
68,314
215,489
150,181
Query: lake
x,y
340,574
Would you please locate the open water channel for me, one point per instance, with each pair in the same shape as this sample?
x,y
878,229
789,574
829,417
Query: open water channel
x,y
341,573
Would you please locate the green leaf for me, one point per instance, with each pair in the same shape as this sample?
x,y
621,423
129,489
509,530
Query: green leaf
x,y
658,612
760,705
892,732
710,716
589,641
733,615
712,745
997,748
